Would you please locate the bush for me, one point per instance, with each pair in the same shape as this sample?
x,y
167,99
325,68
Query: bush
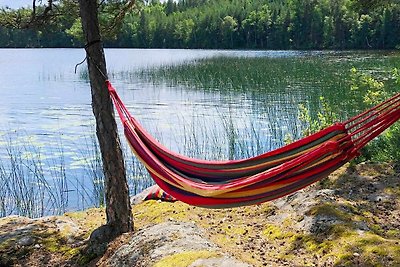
x,y
369,90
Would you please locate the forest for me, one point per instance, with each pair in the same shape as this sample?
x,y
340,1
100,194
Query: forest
x,y
217,24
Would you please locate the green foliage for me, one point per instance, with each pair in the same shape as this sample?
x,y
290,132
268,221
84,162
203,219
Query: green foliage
x,y
19,28
76,31
228,27
365,88
276,24
325,117
386,146
183,31
365,85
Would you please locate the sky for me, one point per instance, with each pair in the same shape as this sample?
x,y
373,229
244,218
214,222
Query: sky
x,y
15,3
19,3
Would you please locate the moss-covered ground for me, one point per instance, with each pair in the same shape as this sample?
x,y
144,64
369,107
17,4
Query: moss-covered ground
x,y
354,221
359,226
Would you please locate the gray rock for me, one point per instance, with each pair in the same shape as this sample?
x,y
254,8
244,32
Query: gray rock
x,y
379,198
150,245
26,241
218,262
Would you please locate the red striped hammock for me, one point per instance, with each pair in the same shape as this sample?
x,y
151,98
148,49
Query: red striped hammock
x,y
232,183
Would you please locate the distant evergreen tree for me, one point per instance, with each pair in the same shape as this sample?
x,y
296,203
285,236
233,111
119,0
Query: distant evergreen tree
x,y
257,24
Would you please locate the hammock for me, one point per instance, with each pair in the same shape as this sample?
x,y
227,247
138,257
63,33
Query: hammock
x,y
233,183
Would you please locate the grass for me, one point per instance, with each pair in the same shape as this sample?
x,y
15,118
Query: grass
x,y
305,79
25,190
36,181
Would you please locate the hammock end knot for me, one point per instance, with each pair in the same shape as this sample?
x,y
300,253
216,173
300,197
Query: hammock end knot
x,y
111,89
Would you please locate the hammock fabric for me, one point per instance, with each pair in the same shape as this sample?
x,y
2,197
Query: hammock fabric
x,y
156,193
232,183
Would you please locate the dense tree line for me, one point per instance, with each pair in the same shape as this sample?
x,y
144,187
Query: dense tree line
x,y
250,24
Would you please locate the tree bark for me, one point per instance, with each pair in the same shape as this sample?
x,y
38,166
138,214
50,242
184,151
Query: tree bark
x,y
118,209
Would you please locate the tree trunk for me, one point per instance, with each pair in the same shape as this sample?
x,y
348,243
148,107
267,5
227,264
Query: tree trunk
x,y
118,209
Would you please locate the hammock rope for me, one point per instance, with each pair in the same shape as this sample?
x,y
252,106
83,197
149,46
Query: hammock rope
x,y
232,183
368,125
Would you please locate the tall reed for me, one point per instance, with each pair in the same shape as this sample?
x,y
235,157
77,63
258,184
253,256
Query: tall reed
x,y
25,190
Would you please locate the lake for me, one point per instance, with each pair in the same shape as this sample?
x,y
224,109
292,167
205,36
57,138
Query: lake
x,y
203,103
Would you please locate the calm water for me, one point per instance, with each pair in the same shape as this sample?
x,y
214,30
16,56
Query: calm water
x,y
46,108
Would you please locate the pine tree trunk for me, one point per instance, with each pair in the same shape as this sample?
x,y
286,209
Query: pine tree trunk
x,y
118,209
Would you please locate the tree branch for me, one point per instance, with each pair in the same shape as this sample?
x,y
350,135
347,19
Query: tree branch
x,y
43,17
21,19
119,17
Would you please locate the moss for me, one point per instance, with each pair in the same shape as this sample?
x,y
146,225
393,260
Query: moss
x,y
376,228
228,228
10,253
57,244
89,219
52,241
7,244
311,244
394,233
84,259
345,259
373,249
349,248
184,259
329,209
274,232
288,222
51,244
72,252
236,230
154,212
393,191
248,233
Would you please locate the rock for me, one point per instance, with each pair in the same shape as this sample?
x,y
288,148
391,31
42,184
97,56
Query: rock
x,y
218,262
149,246
99,240
26,241
379,198
70,240
136,199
